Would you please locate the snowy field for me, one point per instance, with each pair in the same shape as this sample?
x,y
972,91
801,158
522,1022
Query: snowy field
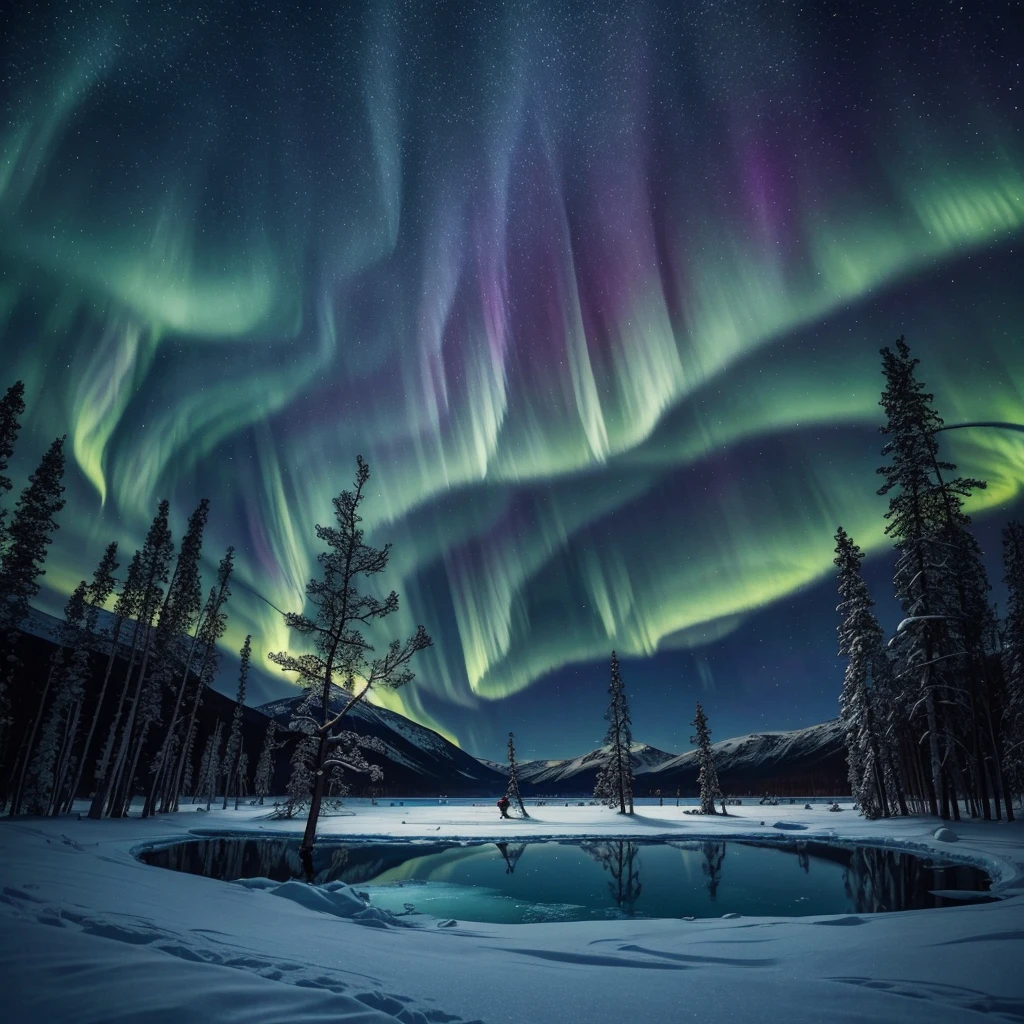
x,y
89,934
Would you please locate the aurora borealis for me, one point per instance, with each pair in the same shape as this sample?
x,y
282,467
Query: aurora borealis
x,y
596,288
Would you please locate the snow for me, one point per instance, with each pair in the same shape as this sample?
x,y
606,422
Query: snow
x,y
89,934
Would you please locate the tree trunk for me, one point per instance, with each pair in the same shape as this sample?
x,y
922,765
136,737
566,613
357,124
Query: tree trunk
x,y
935,760
316,798
64,758
113,783
165,746
97,711
171,800
103,766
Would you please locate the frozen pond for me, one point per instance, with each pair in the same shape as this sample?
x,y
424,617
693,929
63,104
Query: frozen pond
x,y
603,879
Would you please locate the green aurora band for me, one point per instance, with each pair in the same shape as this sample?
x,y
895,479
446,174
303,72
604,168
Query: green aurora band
x,y
597,292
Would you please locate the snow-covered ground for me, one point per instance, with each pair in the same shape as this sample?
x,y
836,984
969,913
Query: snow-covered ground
x,y
89,934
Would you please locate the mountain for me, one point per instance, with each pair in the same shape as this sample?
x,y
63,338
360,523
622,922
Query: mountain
x,y
798,762
801,761
416,760
578,774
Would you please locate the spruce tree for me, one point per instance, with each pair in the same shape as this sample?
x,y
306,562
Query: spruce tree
x,y
242,777
233,755
12,407
925,511
102,586
212,626
69,668
861,642
343,655
512,790
28,537
707,777
300,782
614,784
178,649
265,766
176,616
139,602
209,766
31,531
1012,723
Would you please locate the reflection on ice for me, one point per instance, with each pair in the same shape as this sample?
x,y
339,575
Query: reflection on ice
x,y
571,881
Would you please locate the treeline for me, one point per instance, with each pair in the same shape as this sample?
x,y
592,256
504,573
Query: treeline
x,y
934,712
135,733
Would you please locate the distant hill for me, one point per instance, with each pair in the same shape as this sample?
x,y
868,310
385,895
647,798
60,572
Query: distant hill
x,y
798,762
417,761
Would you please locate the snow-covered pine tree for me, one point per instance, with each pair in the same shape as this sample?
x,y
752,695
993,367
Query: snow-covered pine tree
x,y
69,668
707,776
1012,723
188,773
28,537
300,782
12,406
184,649
213,624
242,777
861,642
924,507
69,771
265,766
162,610
614,784
342,653
162,660
138,603
512,790
233,755
212,757
974,689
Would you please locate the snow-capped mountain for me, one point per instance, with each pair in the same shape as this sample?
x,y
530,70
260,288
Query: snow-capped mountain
x,y
415,759
804,759
579,773
745,764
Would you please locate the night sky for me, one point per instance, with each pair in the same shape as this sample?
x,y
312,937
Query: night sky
x,y
596,288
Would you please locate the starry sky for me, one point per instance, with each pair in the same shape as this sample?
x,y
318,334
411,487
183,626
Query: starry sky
x,y
596,288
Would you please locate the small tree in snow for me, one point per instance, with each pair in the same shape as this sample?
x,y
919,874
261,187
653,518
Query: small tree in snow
x,y
233,755
265,766
344,657
614,784
708,777
861,643
209,766
242,777
300,782
512,791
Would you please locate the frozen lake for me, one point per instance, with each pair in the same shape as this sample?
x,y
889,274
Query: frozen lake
x,y
520,882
